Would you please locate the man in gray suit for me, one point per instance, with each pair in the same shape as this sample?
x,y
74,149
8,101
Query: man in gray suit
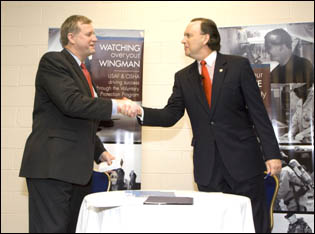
x,y
59,153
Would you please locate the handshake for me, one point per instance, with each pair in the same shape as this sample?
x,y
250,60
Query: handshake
x,y
127,107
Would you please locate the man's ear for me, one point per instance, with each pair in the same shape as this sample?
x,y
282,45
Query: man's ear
x,y
70,38
207,39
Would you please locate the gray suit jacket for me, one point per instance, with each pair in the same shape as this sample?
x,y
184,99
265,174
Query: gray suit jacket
x,y
63,141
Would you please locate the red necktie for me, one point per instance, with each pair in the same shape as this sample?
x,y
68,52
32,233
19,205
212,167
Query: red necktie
x,y
88,78
207,84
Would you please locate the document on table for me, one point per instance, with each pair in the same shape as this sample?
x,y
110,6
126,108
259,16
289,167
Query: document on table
x,y
103,167
140,193
162,200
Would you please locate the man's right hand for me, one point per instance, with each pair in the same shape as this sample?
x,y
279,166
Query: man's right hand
x,y
127,107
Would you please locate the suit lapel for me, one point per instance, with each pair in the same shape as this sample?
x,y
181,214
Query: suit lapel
x,y
195,80
77,69
218,80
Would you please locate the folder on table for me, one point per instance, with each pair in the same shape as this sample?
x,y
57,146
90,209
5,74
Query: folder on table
x,y
163,200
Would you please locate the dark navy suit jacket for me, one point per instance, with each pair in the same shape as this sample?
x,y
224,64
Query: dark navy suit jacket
x,y
237,122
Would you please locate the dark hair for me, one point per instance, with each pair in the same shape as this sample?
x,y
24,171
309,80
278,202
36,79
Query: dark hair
x,y
209,27
278,37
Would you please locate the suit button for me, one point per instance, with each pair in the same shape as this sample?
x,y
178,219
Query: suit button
x,y
212,123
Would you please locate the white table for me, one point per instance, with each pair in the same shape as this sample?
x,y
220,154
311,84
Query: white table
x,y
122,212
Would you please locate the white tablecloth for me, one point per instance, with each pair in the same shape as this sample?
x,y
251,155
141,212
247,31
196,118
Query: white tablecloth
x,y
120,211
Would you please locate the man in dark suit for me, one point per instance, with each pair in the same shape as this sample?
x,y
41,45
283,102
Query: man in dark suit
x,y
291,70
233,138
59,153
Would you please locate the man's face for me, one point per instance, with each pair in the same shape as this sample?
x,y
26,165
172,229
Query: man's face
x,y
194,41
84,41
275,52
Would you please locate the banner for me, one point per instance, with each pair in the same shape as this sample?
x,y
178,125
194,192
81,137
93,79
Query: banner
x,y
116,69
282,58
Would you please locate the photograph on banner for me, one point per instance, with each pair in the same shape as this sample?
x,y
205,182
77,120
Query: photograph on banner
x,y
296,180
125,175
293,223
282,58
287,86
116,69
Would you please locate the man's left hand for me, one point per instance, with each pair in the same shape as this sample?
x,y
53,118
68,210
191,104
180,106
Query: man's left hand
x,y
107,157
273,166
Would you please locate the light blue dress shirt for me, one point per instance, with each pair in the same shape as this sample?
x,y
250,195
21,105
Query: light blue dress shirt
x,y
114,103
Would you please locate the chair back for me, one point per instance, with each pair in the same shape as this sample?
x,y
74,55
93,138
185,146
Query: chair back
x,y
100,182
271,187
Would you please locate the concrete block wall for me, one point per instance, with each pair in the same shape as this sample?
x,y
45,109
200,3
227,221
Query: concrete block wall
x,y
167,154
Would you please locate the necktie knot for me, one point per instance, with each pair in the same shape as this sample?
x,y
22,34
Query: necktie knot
x,y
83,66
203,63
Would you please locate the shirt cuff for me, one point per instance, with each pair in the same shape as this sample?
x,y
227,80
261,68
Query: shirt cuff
x,y
114,107
141,117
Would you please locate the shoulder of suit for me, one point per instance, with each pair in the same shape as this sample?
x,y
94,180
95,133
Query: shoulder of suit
x,y
55,57
301,61
233,58
186,69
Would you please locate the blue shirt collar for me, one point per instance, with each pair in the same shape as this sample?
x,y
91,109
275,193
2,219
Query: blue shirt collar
x,y
75,57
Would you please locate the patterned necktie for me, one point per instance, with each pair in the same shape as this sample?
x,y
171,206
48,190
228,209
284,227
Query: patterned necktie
x,y
207,84
88,78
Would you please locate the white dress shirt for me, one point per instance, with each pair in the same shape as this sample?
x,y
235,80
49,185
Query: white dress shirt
x,y
210,64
